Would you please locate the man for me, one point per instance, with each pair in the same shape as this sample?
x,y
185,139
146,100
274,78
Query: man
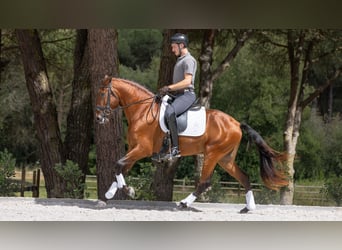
x,y
182,88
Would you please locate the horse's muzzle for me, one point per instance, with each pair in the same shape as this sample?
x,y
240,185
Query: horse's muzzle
x,y
101,119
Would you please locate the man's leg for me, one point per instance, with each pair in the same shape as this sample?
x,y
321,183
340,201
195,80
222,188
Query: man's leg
x,y
172,122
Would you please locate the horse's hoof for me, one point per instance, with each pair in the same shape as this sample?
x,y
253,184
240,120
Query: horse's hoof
x,y
100,204
182,206
129,191
244,210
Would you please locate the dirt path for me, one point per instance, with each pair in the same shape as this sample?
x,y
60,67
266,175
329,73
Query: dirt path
x,y
31,209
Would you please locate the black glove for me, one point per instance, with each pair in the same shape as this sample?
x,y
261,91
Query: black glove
x,y
163,91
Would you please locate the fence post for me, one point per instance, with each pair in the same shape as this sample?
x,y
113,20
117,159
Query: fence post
x,y
23,177
38,182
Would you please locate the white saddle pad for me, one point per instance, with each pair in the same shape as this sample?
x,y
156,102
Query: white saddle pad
x,y
196,120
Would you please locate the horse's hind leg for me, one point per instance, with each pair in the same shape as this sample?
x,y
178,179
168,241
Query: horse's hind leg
x,y
207,171
233,169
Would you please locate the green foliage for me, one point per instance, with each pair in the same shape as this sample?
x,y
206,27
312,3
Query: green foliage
x,y
309,163
142,184
17,132
186,168
7,171
147,78
254,91
319,148
58,48
137,47
215,192
92,160
332,145
333,189
72,176
267,196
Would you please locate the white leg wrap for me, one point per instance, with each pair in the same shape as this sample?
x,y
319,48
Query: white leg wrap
x,y
112,190
189,200
121,181
250,200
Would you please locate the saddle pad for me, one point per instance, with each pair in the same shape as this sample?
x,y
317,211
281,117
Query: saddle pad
x,y
196,120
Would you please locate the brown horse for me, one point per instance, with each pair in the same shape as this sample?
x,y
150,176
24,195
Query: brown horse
x,y
219,144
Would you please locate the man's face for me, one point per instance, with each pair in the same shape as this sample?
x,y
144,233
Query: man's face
x,y
175,48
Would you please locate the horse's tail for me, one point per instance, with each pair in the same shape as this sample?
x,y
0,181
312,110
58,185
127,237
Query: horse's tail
x,y
272,178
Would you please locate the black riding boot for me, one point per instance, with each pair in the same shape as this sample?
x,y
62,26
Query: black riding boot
x,y
174,138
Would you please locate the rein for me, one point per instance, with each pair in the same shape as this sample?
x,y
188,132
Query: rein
x,y
106,110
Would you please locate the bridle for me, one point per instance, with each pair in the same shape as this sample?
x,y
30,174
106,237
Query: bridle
x,y
106,110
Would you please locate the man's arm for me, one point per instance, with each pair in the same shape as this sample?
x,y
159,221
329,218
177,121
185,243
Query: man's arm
x,y
186,83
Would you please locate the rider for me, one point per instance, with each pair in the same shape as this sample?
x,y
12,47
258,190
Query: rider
x,y
182,87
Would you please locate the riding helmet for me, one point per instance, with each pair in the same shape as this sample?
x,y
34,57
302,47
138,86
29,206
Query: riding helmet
x,y
180,38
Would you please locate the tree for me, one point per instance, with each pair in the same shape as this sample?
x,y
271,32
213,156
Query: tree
x,y
79,129
44,109
103,60
137,47
208,75
163,177
300,47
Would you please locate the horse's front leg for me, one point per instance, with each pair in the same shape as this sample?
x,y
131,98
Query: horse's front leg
x,y
123,166
120,180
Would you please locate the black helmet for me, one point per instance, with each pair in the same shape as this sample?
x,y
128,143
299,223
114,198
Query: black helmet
x,y
180,38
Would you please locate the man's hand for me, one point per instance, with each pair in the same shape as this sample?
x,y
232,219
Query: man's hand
x,y
163,91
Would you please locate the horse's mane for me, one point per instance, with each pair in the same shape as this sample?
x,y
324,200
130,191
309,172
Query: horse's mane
x,y
136,85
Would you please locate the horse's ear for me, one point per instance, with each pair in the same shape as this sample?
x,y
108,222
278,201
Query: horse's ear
x,y
107,79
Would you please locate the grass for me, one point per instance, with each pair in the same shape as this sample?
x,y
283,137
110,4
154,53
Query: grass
x,y
306,193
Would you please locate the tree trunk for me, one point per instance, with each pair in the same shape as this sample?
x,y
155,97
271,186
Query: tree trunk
x,y
291,134
79,130
330,103
44,109
206,60
162,184
207,75
205,88
103,60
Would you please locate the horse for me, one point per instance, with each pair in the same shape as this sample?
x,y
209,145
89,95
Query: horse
x,y
219,143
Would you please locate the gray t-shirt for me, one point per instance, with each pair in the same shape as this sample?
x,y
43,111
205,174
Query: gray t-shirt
x,y
185,65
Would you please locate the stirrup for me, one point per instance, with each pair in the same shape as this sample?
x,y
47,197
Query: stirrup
x,y
174,153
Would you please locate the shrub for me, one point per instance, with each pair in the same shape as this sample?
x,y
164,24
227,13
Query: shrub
x,y
7,170
215,193
267,196
72,175
142,184
333,189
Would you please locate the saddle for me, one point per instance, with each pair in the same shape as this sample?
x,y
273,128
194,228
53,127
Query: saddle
x,y
191,123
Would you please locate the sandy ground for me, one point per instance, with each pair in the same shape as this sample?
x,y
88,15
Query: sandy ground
x,y
32,209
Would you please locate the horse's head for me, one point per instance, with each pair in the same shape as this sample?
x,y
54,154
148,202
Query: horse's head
x,y
106,100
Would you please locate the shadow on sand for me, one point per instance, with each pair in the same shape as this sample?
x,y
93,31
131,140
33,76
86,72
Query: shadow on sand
x,y
117,204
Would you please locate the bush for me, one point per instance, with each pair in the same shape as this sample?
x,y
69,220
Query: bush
x,y
215,193
333,189
267,196
142,184
7,170
72,175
